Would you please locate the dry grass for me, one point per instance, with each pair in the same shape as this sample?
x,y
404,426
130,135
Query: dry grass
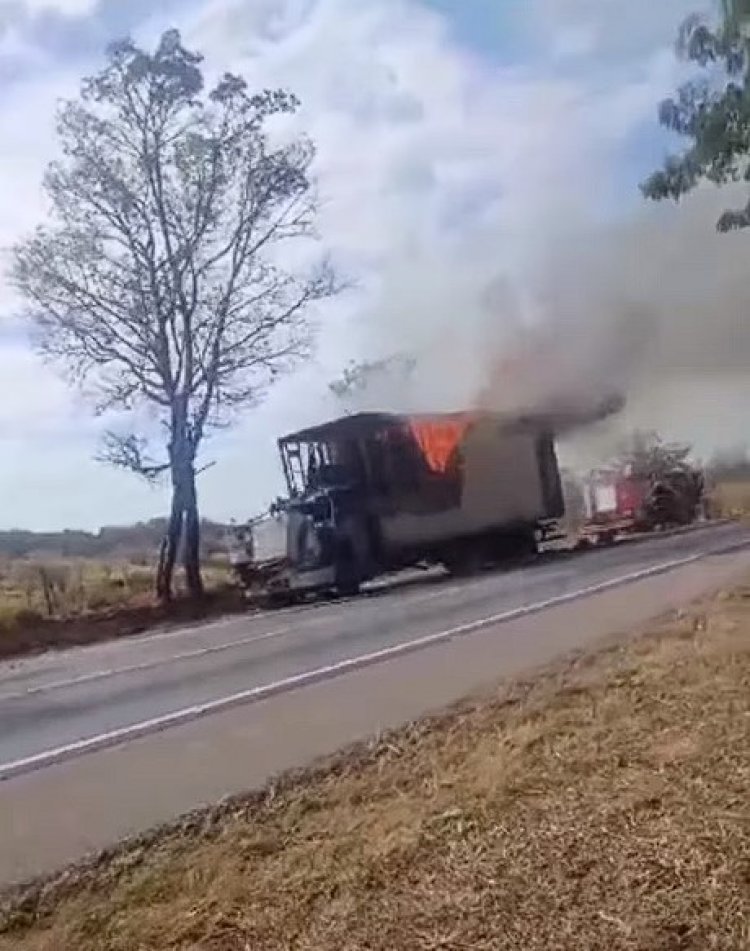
x,y
603,806
63,602
730,499
66,587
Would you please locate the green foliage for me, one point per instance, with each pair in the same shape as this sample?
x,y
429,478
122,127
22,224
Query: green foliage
x,y
711,110
736,14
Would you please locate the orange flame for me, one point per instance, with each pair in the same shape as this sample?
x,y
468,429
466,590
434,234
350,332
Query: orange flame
x,y
438,439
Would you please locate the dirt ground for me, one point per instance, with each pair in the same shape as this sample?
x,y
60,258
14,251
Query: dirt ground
x,y
603,805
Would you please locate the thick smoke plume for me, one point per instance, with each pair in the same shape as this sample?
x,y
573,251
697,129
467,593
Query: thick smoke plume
x,y
656,308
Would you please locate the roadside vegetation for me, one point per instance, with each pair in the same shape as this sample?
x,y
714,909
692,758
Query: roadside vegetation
x,y
36,590
601,805
159,282
59,589
64,602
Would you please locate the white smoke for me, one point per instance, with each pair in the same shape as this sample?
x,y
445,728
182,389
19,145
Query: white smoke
x,y
656,307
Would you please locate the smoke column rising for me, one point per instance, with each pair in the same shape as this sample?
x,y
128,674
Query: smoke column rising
x,y
656,307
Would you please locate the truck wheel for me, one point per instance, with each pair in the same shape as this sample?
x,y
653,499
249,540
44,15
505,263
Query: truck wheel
x,y
515,547
528,546
349,588
464,562
348,575
348,584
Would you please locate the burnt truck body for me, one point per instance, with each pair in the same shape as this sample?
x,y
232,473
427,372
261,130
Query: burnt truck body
x,y
374,493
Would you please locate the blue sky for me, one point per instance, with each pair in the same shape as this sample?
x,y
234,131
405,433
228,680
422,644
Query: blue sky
x,y
493,29
460,143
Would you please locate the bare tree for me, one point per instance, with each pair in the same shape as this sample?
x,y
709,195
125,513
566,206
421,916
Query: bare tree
x,y
649,457
158,280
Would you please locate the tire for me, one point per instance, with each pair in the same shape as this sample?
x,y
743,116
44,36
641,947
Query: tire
x,y
349,588
528,545
348,584
348,574
518,547
354,558
464,562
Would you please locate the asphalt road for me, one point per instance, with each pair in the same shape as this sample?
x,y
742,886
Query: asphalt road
x,y
51,702
179,713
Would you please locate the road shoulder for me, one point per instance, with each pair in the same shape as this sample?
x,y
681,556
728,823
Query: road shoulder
x,y
614,779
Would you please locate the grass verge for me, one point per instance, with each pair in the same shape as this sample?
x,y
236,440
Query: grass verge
x,y
603,805
31,634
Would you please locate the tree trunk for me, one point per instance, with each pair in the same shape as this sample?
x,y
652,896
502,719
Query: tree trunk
x,y
170,546
191,545
184,522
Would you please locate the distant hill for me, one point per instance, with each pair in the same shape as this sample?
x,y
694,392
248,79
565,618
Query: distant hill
x,y
138,542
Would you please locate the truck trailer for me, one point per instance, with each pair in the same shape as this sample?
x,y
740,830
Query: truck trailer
x,y
374,493
625,500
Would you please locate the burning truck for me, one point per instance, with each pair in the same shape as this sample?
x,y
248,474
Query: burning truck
x,y
374,493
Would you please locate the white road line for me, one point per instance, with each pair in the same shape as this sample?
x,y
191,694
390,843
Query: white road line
x,y
107,672
145,665
330,671
317,620
172,632
312,618
378,590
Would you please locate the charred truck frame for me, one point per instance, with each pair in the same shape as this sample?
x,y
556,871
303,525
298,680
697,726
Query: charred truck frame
x,y
374,493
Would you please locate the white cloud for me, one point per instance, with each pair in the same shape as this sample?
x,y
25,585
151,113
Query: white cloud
x,y
441,174
50,485
66,7
423,148
618,31
28,409
27,126
17,19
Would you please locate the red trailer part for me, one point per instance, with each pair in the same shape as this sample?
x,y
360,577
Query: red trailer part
x,y
614,502
621,502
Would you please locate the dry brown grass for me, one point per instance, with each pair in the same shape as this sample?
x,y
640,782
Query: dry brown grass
x,y
602,806
730,499
67,601
65,587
